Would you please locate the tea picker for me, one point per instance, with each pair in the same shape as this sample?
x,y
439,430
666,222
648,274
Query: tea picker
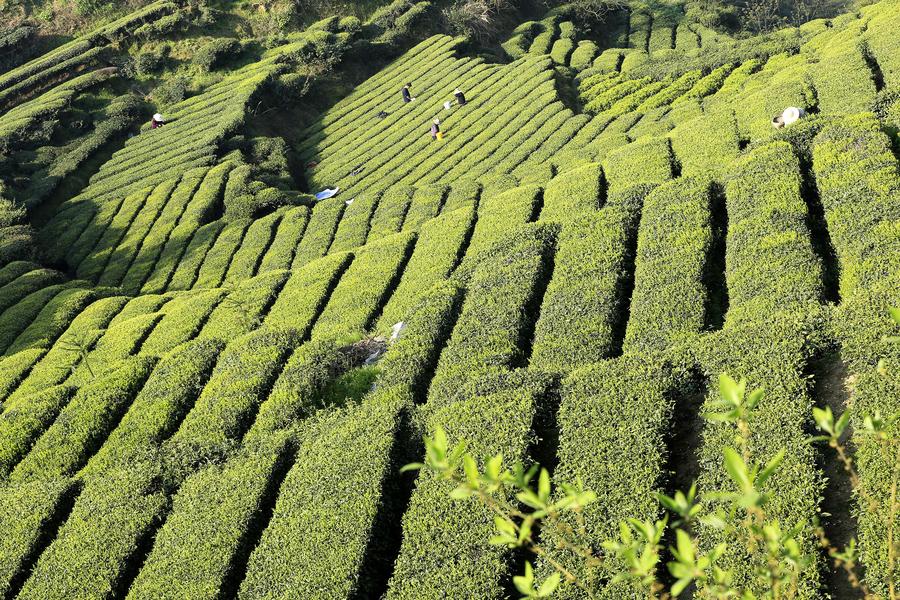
x,y
436,133
407,95
791,115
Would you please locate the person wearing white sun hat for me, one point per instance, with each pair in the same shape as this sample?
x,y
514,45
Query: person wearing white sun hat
x,y
157,121
791,115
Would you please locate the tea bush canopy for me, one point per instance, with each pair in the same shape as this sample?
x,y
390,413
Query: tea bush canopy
x,y
210,380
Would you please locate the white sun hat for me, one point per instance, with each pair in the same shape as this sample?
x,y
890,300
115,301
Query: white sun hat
x,y
157,117
791,115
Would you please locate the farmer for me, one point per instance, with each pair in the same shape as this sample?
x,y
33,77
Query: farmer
x,y
791,115
407,96
436,133
157,121
460,97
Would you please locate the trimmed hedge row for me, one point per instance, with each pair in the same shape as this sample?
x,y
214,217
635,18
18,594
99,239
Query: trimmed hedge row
x,y
478,148
22,423
856,175
391,212
653,123
842,78
223,413
183,318
674,240
438,251
602,96
426,203
672,91
582,312
386,166
62,358
463,194
367,93
445,549
562,50
501,213
83,424
881,40
195,551
110,223
329,131
705,146
22,286
365,145
770,262
325,137
37,118
784,81
527,158
13,270
17,318
320,232
482,130
609,61
733,82
365,288
122,255
579,192
771,353
706,85
217,261
306,293
153,244
91,553
614,422
280,254
259,237
412,358
141,305
54,318
117,118
196,213
326,521
483,124
14,369
27,514
520,41
353,228
194,255
488,336
686,39
243,310
159,407
296,394
583,56
117,344
648,161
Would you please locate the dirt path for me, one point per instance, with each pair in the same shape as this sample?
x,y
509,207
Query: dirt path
x,y
830,388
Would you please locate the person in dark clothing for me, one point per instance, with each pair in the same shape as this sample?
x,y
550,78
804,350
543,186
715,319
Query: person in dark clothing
x,y
157,121
460,97
407,96
436,130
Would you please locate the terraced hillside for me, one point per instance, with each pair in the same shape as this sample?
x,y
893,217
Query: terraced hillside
x,y
195,403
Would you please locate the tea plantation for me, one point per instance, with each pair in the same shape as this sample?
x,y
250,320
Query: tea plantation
x,y
201,394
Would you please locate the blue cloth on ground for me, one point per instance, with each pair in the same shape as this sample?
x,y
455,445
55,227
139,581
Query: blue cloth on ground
x,y
326,194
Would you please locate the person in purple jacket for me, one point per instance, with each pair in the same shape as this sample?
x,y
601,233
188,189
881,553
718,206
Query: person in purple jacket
x,y
436,130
